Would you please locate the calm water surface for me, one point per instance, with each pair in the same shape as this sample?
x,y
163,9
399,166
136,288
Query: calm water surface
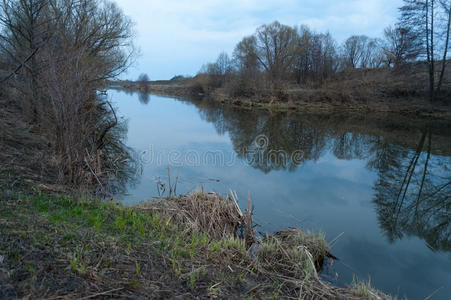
x,y
382,182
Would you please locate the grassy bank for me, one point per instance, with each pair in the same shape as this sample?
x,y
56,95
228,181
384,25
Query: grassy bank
x,y
56,246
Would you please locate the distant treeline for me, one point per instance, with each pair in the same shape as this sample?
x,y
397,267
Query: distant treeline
x,y
276,54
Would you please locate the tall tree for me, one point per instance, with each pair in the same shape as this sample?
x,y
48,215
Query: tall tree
x,y
446,5
81,43
302,64
430,21
323,57
275,48
401,46
25,29
353,51
360,51
245,54
224,63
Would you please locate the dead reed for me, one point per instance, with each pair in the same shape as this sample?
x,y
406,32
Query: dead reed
x,y
293,252
209,213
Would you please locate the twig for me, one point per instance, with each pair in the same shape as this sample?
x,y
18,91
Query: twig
x,y
250,238
101,294
433,293
169,182
158,189
253,289
99,142
176,181
235,201
331,243
95,175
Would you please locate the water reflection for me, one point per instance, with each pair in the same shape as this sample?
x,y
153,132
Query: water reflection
x,y
383,180
413,189
144,95
413,195
285,139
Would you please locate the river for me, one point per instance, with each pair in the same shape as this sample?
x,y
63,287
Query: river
x,y
378,186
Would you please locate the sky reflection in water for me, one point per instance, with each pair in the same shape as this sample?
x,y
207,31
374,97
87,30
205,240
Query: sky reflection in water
x,y
350,176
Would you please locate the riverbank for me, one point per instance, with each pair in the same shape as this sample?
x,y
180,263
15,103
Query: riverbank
x,y
54,245
380,90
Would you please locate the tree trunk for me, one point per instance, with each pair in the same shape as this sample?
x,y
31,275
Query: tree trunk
x,y
445,51
424,171
432,62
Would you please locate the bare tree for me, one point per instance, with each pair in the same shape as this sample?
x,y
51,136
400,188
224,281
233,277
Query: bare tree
x,y
275,48
302,63
374,54
223,63
430,21
245,54
143,78
446,5
247,79
24,30
280,52
218,71
353,51
360,51
400,46
81,43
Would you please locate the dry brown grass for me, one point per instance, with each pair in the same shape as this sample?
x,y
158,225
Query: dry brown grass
x,y
24,158
209,213
294,252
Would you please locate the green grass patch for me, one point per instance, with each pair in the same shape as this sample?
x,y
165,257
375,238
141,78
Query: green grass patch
x,y
62,246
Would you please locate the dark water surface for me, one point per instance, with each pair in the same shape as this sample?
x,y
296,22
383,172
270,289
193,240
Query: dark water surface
x,y
382,181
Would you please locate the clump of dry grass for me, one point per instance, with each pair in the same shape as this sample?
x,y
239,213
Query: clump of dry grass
x,y
209,213
294,257
293,252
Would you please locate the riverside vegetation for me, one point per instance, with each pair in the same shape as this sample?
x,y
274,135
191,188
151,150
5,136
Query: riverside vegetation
x,y
62,155
384,90
63,246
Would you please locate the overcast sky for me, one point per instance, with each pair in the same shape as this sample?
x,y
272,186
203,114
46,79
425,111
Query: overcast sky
x,y
179,36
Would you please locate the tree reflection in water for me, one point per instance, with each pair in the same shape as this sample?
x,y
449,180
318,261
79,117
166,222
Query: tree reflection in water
x,y
412,159
413,195
144,97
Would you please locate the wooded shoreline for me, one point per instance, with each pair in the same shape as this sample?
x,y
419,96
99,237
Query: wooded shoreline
x,y
369,95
